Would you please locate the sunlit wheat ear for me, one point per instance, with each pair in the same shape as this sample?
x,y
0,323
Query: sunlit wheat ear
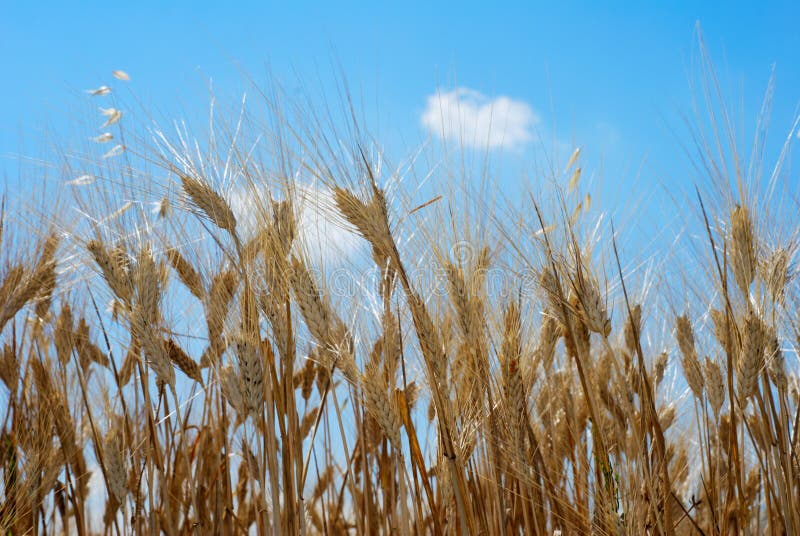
x,y
121,75
751,361
723,331
390,342
775,361
115,464
659,367
241,487
429,338
757,431
232,390
218,302
314,307
9,368
209,202
148,286
284,227
11,293
64,425
345,358
550,286
511,354
308,422
593,310
460,296
774,272
743,249
156,354
186,273
368,219
715,385
182,360
162,208
88,352
113,269
129,363
381,405
752,486
22,285
145,317
633,327
691,364
549,334
305,378
251,373
666,416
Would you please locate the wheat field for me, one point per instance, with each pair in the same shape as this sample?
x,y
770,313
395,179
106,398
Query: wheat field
x,y
195,367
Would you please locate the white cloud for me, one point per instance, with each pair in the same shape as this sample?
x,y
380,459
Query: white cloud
x,y
469,117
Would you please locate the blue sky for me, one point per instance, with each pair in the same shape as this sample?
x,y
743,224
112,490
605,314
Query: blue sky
x,y
615,79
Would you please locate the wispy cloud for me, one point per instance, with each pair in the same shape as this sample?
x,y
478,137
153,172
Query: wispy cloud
x,y
470,118
325,238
